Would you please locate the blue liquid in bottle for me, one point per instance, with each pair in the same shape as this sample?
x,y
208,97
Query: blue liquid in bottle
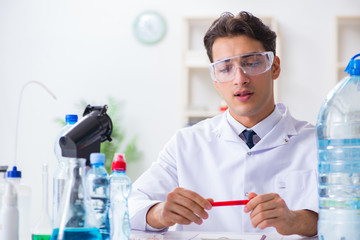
x,y
76,220
77,234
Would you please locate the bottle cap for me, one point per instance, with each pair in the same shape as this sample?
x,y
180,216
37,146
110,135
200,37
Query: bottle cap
x,y
10,196
353,68
14,173
97,158
3,168
71,118
119,163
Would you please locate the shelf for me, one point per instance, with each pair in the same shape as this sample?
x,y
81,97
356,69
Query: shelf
x,y
347,38
196,59
201,92
342,65
195,29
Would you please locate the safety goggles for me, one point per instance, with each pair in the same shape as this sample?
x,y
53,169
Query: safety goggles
x,y
250,64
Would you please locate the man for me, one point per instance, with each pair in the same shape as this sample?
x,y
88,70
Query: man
x,y
273,163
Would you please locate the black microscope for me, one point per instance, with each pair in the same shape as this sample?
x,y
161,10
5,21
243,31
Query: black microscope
x,y
86,135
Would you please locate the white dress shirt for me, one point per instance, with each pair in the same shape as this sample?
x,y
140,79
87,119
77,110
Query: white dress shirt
x,y
211,159
261,129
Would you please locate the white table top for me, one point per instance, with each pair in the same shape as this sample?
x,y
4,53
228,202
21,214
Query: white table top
x,y
187,235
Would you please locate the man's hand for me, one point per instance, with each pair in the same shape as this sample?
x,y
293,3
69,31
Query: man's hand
x,y
270,210
182,206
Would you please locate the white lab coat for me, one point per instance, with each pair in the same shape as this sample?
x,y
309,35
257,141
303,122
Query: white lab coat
x,y
212,160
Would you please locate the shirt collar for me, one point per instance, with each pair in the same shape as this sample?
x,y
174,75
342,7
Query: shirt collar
x,y
261,128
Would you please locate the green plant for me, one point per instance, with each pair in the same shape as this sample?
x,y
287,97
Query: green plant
x,y
119,143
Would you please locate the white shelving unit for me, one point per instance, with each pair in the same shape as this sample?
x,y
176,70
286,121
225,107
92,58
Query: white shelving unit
x,y
200,98
347,42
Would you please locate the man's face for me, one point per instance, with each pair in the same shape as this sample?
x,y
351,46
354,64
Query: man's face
x,y
250,98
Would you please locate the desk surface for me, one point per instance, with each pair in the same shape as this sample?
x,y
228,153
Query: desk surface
x,y
187,235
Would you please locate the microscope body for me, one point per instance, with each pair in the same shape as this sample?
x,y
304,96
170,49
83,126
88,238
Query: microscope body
x,y
87,134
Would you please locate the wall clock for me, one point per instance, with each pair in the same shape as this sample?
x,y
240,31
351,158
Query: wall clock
x,y
149,27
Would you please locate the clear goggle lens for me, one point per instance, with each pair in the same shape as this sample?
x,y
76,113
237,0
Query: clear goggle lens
x,y
250,64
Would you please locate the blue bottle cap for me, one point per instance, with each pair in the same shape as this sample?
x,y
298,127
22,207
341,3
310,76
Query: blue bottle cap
x,y
97,158
71,118
14,173
353,68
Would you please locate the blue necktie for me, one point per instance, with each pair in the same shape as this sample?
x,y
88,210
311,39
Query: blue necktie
x,y
248,134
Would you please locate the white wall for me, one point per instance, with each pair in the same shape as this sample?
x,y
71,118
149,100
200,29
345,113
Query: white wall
x,y
87,50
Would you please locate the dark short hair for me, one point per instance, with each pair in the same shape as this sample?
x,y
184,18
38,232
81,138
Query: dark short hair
x,y
228,25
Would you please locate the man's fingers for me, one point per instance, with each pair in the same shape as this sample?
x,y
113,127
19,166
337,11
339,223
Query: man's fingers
x,y
210,200
256,200
264,218
270,210
170,218
267,223
205,204
181,214
186,206
262,207
251,195
191,200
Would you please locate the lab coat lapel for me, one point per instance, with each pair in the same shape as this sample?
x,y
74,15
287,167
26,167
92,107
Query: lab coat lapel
x,y
280,135
225,132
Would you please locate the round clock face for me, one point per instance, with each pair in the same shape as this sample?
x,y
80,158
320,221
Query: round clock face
x,y
149,27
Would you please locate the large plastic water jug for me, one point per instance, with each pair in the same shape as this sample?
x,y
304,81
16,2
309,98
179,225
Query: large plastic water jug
x,y
338,132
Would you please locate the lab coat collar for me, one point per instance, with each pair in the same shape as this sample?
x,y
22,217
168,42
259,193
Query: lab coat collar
x,y
279,135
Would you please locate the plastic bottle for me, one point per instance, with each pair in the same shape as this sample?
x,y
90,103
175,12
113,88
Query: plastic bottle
x,y
120,189
24,202
61,172
338,132
9,214
97,182
43,227
76,220
3,170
